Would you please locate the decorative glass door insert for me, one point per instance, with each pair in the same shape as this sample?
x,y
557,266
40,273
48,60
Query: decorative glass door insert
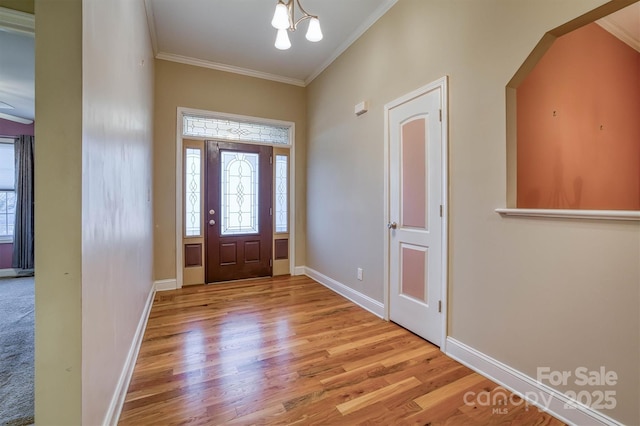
x,y
239,190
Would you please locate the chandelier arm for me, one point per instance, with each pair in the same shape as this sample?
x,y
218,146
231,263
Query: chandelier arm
x,y
304,18
291,11
306,15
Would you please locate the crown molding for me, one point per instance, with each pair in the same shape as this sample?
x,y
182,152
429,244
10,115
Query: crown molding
x,y
16,21
15,118
151,24
228,68
619,32
372,19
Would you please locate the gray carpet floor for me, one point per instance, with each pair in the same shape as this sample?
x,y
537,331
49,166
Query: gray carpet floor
x,y
16,351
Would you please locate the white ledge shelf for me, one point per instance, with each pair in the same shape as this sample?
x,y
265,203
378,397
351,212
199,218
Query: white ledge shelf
x,y
573,214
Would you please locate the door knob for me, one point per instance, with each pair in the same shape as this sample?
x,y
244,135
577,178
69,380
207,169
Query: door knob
x,y
392,225
212,222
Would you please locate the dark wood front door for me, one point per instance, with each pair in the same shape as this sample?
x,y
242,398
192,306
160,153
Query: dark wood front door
x,y
238,214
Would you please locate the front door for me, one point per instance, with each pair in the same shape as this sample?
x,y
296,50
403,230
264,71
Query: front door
x,y
238,213
415,209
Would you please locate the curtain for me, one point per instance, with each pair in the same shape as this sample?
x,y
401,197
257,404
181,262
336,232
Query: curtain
x,y
23,231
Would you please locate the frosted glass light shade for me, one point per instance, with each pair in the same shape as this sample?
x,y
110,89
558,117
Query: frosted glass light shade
x,y
314,33
280,19
282,40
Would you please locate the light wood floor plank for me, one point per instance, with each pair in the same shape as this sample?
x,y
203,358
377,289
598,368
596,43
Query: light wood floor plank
x,y
377,396
289,351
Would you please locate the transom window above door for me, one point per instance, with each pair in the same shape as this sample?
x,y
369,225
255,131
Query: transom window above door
x,y
235,130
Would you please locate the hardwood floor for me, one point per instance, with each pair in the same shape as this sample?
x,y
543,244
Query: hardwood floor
x,y
289,351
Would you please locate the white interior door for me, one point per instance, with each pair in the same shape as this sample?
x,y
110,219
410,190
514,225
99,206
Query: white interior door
x,y
415,213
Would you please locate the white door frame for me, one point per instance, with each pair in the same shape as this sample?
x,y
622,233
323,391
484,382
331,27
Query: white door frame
x,y
181,111
442,84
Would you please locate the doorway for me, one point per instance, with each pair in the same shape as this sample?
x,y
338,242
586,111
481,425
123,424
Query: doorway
x,y
238,188
237,248
416,238
17,105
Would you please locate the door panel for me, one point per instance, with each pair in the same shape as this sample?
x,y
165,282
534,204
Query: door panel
x,y
415,196
413,276
238,213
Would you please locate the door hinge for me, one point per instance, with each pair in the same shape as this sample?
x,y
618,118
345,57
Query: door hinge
x,y
270,262
271,159
270,211
439,305
441,209
440,112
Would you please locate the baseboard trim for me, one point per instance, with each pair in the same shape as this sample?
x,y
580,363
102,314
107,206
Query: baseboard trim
x,y
299,270
356,297
15,273
164,285
538,394
117,401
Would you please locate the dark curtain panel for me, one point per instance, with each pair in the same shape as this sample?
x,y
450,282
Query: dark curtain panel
x,y
23,231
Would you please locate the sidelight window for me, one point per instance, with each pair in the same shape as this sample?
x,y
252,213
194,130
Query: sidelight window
x,y
281,193
193,177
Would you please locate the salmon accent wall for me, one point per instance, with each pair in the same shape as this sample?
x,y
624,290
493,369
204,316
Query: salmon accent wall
x,y
578,125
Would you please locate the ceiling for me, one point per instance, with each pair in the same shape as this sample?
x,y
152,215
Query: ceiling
x,y
237,35
17,73
232,35
624,24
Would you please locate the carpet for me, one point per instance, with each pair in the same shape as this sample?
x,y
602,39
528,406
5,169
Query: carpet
x,y
16,351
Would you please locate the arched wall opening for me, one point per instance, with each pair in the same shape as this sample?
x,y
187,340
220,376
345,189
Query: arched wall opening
x,y
573,134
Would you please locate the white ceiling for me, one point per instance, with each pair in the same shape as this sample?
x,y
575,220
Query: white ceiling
x,y
237,35
233,35
17,73
624,24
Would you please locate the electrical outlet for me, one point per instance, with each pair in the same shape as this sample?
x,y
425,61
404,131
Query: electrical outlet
x,y
359,274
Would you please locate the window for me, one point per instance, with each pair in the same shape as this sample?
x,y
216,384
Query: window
x,y
281,191
239,189
7,189
193,176
218,128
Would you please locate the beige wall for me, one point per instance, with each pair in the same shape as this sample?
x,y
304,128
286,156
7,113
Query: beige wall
x,y
179,85
93,210
58,213
20,5
528,292
117,218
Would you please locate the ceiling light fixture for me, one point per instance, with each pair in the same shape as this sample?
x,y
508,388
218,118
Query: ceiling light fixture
x,y
284,19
